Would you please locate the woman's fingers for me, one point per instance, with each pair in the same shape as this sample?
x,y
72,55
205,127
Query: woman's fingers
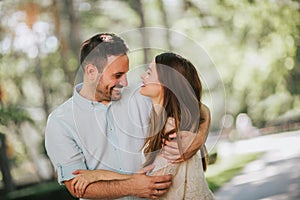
x,y
73,183
171,158
80,184
170,151
179,160
173,135
80,188
79,171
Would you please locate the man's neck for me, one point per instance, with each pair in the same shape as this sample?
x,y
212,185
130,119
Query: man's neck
x,y
87,93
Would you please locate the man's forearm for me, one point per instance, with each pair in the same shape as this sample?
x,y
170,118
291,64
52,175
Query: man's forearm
x,y
110,189
203,130
105,189
201,136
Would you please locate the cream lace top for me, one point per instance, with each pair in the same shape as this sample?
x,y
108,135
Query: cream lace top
x,y
189,182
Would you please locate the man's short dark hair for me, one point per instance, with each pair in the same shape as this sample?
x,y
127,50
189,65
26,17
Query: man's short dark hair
x,y
96,49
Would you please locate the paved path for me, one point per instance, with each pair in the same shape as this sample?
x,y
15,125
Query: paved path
x,y
275,176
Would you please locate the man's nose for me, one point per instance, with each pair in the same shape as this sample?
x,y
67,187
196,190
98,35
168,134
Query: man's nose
x,y
143,75
123,81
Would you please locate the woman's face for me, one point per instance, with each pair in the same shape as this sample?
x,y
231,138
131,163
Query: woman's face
x,y
151,86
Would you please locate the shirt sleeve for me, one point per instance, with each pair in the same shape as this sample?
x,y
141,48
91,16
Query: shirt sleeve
x,y
62,149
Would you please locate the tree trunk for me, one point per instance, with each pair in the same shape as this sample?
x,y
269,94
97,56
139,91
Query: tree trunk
x,y
73,34
165,23
64,44
4,166
138,7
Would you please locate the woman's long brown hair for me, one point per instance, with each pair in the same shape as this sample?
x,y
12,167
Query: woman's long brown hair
x,y
182,101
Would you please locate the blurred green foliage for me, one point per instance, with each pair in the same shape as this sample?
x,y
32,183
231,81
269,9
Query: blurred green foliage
x,y
253,44
13,114
226,168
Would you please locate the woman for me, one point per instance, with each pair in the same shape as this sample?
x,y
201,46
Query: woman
x,y
175,89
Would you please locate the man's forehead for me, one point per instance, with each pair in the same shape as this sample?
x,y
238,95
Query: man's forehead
x,y
112,58
117,63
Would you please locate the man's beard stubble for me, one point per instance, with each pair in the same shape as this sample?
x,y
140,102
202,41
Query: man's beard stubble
x,y
103,94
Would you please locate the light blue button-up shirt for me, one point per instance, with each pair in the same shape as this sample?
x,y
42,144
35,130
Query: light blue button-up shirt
x,y
82,134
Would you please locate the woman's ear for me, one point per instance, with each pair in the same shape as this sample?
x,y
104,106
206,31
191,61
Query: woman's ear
x,y
91,71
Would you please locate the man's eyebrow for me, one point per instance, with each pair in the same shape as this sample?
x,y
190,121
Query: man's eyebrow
x,y
119,73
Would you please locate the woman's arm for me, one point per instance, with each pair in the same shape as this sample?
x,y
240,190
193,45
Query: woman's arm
x,y
190,142
200,137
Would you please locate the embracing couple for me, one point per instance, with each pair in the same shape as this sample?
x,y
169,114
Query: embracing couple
x,y
113,139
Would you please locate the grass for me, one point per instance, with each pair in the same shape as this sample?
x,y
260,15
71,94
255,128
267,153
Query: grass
x,y
45,191
226,168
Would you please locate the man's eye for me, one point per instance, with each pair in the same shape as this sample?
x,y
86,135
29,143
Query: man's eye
x,y
118,75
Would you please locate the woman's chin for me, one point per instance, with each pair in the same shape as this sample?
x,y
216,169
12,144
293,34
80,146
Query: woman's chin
x,y
142,92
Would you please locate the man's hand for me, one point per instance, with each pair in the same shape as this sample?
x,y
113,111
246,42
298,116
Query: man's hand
x,y
152,187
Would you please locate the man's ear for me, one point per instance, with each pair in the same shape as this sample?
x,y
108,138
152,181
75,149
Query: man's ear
x,y
91,71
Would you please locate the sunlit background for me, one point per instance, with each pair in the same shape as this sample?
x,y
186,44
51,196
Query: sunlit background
x,y
254,46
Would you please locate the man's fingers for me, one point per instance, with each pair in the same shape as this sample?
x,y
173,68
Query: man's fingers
x,y
146,169
158,193
154,197
163,186
162,192
163,179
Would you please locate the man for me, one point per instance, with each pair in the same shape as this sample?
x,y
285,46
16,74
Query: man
x,y
86,133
